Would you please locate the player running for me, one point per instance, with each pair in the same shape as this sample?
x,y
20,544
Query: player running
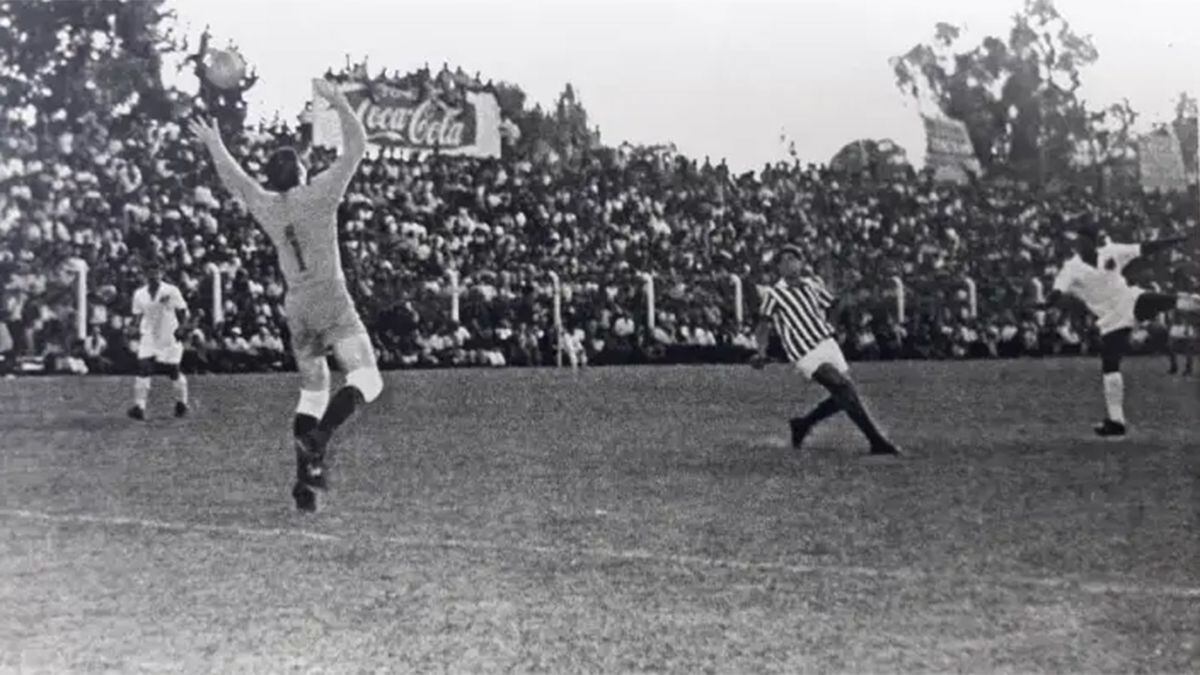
x,y
163,323
1094,277
796,306
300,217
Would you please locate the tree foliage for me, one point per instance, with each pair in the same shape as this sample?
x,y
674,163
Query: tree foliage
x,y
84,57
1018,96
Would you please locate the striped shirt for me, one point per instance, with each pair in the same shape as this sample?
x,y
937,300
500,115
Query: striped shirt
x,y
799,314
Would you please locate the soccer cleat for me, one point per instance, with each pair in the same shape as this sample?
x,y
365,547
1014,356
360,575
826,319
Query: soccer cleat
x,y
310,462
305,496
884,449
800,428
181,409
137,412
1109,429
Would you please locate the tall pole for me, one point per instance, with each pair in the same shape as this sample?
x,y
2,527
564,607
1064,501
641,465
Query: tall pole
x,y
454,314
739,311
80,267
649,279
218,303
558,322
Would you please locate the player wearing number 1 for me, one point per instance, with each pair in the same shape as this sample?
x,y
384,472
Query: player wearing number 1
x,y
300,217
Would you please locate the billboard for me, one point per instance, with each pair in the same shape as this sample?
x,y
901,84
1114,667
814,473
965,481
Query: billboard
x,y
1160,160
415,118
948,150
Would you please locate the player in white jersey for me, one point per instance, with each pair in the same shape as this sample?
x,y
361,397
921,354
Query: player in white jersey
x,y
162,322
300,217
1094,276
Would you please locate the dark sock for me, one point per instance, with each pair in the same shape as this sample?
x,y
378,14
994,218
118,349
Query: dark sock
x,y
341,407
850,401
302,424
824,410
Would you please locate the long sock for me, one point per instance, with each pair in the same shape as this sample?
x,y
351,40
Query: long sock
x,y
1114,396
341,407
180,386
824,410
854,407
141,391
302,424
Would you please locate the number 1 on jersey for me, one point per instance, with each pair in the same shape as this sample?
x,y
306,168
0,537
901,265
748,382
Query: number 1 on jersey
x,y
289,233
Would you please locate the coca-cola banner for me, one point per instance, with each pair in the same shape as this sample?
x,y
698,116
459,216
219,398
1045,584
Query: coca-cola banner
x,y
399,116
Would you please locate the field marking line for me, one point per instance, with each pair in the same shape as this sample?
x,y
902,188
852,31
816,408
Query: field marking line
x,y
1091,587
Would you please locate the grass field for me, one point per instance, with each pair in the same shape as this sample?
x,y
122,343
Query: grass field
x,y
616,520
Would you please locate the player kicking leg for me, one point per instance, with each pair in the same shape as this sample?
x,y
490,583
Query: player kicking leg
x,y
1094,277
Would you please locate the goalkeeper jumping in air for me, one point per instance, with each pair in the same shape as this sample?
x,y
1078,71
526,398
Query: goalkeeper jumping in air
x,y
300,217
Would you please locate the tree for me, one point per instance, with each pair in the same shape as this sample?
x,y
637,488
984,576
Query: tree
x,y
1017,96
570,125
1186,113
84,57
883,158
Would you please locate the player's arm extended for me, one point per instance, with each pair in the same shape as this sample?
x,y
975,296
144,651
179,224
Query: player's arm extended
x,y
762,337
232,176
354,134
354,137
1158,245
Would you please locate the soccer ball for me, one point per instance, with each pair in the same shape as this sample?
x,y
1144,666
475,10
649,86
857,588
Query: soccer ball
x,y
225,68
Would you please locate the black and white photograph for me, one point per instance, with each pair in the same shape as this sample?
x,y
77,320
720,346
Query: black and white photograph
x,y
599,336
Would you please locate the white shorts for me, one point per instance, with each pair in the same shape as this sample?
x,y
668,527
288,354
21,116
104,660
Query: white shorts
x,y
826,351
170,354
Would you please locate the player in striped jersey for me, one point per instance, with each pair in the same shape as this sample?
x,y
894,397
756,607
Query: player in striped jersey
x,y
796,307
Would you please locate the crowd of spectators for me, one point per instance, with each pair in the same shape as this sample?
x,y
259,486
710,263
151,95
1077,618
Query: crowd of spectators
x,y
111,194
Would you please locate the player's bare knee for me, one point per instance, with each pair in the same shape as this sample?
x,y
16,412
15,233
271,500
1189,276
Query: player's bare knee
x,y
313,402
314,374
367,381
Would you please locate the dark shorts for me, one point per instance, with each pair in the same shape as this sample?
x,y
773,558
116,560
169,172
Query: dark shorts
x,y
319,316
1150,305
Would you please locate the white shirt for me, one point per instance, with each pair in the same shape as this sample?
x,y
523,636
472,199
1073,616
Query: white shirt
x,y
158,320
1102,288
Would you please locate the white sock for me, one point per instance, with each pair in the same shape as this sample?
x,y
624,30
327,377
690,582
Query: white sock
x,y
141,391
181,391
1188,302
1114,396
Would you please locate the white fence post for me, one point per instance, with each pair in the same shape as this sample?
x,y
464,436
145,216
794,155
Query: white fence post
x,y
972,297
1039,291
558,323
453,274
649,279
899,284
80,267
739,311
218,302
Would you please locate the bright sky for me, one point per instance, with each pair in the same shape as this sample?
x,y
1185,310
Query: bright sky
x,y
716,77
